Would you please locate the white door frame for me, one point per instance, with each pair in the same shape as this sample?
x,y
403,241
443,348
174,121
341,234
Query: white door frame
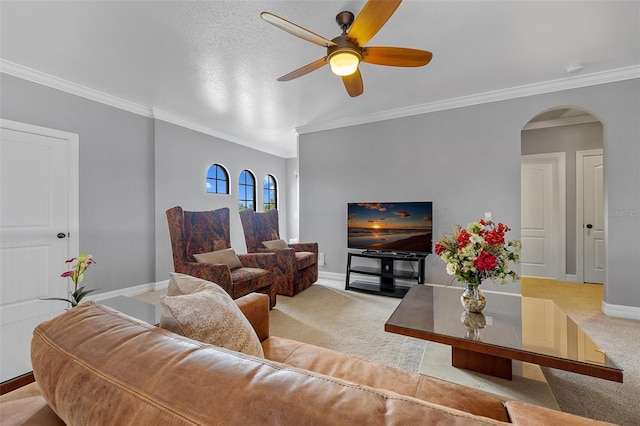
x,y
559,225
580,155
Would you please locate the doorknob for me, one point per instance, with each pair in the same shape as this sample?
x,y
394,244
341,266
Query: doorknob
x,y
589,226
61,235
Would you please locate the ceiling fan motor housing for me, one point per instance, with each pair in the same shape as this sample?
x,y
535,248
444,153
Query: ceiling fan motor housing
x,y
343,44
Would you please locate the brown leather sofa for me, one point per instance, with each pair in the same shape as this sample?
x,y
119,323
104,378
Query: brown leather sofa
x,y
96,366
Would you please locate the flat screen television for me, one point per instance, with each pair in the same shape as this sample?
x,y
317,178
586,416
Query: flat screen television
x,y
403,227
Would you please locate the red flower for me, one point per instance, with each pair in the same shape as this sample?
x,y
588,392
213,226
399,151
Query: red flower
x,y
494,238
485,261
463,238
439,249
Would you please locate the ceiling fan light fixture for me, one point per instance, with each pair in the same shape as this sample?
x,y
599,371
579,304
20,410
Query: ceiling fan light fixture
x,y
344,62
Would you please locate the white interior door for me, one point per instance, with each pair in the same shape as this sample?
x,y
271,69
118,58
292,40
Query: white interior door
x,y
593,219
542,209
38,211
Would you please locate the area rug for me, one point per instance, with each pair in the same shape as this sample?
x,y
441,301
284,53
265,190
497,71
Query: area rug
x,y
346,321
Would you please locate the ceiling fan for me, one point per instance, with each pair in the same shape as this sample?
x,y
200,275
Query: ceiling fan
x,y
345,52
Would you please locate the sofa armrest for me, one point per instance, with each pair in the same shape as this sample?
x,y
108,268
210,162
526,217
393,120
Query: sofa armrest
x,y
522,413
255,306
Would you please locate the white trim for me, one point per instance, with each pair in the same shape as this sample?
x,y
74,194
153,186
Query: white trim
x,y
558,162
611,76
178,121
621,311
334,276
572,278
48,80
130,291
161,285
73,142
580,155
565,121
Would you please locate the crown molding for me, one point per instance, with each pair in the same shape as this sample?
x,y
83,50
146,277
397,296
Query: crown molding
x,y
573,82
594,79
35,76
179,121
38,77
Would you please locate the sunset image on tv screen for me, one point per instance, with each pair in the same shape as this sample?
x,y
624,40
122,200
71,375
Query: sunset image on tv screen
x,y
401,226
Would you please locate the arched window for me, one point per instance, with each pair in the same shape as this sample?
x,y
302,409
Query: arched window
x,y
217,180
270,193
247,191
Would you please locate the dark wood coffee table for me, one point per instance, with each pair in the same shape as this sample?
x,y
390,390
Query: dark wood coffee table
x,y
517,328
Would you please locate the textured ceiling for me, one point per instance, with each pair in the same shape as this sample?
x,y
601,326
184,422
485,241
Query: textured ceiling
x,y
213,65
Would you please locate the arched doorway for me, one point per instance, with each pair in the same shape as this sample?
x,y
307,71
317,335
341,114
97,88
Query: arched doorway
x,y
562,196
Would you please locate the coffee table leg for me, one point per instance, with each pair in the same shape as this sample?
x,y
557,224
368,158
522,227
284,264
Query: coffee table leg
x,y
481,363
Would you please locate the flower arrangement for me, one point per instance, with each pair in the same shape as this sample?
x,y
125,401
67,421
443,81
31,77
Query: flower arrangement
x,y
479,252
83,261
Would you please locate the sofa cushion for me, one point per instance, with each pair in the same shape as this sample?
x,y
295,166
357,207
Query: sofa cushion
x,y
25,406
227,257
275,244
365,372
206,313
139,374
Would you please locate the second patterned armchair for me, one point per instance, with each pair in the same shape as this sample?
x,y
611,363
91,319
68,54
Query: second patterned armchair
x,y
205,235
296,264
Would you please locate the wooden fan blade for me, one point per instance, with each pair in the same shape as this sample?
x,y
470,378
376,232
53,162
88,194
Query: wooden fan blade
x,y
296,30
353,83
371,18
304,70
396,56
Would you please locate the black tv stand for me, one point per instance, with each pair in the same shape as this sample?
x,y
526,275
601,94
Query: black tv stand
x,y
387,272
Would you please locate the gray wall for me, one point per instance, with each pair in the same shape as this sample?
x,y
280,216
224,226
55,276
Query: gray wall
x,y
132,168
567,139
467,161
182,158
116,177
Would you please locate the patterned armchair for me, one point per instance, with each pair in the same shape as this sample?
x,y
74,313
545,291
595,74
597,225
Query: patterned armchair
x,y
203,232
296,265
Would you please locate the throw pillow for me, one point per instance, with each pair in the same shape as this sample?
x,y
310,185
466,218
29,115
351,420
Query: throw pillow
x,y
209,315
226,256
275,244
180,284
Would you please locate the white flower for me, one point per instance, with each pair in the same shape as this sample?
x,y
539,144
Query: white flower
x,y
476,239
451,269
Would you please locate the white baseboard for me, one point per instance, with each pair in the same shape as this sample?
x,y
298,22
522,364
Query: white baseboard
x,y
621,311
130,291
334,276
571,278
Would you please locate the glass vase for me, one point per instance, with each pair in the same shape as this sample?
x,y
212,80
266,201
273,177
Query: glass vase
x,y
472,298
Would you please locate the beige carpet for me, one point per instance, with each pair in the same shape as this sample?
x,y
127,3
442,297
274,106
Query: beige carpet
x,y
347,321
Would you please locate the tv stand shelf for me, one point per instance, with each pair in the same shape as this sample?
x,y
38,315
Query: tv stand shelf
x,y
387,272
